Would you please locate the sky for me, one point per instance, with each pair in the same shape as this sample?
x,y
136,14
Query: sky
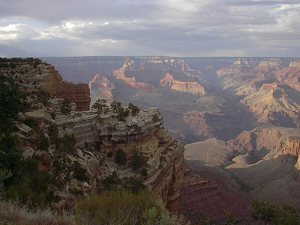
x,y
205,28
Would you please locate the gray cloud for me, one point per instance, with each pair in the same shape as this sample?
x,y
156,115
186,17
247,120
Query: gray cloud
x,y
165,27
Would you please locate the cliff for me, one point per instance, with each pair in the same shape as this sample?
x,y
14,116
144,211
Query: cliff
x,y
39,76
275,104
101,88
111,146
131,81
290,75
182,86
266,143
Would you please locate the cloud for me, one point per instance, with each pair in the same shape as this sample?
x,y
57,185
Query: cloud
x,y
165,27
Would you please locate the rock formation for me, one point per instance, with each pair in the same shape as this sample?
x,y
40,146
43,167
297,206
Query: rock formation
x,y
44,77
87,151
131,81
182,86
101,88
275,104
290,75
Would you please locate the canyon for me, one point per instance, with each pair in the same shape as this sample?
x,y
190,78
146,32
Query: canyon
x,y
238,116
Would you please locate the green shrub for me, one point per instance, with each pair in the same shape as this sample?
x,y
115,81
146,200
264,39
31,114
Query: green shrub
x,y
53,132
65,107
44,143
134,109
79,173
122,207
31,123
120,157
109,154
134,184
137,161
66,143
112,181
273,214
11,103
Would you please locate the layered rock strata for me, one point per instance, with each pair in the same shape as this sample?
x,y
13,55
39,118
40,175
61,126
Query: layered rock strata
x,y
182,86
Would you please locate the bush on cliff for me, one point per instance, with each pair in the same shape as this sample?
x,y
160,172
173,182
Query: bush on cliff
x,y
120,157
138,161
134,109
66,143
122,207
273,214
11,103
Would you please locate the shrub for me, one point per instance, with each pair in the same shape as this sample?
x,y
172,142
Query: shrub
x,y
144,172
53,132
120,157
65,107
137,161
112,181
121,207
66,143
134,109
273,214
15,214
11,103
155,118
134,184
78,172
109,154
44,144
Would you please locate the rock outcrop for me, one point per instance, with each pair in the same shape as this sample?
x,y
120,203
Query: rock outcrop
x,y
182,86
290,75
101,88
275,104
84,151
265,143
131,81
42,76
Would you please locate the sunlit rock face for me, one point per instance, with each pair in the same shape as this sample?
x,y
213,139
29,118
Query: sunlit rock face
x,y
176,85
101,88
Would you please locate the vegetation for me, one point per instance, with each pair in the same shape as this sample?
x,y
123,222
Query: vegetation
x,y
134,109
137,161
155,118
66,143
65,107
120,157
53,132
273,214
112,181
24,182
100,105
44,143
12,213
122,207
11,103
78,172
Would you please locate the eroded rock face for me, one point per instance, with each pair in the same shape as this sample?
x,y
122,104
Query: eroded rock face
x,y
81,149
42,76
290,75
275,104
265,143
101,88
163,154
131,81
182,86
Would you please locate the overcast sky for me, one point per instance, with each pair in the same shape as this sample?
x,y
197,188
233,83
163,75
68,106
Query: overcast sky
x,y
150,27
